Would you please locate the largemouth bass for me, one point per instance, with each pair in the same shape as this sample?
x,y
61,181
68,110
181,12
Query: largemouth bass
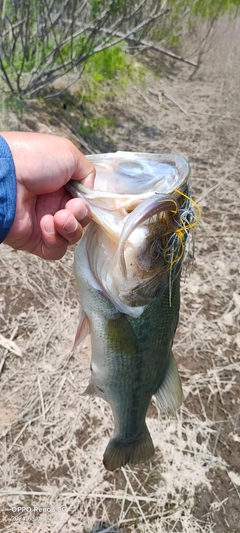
x,y
127,268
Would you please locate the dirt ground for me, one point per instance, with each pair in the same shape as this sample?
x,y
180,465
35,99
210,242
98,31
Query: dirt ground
x,y
52,439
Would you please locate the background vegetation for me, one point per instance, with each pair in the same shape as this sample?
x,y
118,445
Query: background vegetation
x,y
42,40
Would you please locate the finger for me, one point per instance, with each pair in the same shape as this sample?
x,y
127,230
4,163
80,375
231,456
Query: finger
x,y
61,230
52,245
80,209
89,180
67,226
84,170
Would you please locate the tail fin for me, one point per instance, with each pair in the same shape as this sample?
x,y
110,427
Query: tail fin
x,y
119,452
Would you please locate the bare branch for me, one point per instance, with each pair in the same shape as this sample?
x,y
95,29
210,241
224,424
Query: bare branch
x,y
52,37
146,46
6,76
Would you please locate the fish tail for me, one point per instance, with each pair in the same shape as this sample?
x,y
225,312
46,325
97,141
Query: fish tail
x,y
119,452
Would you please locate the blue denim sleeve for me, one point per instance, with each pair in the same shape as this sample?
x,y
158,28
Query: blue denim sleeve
x,y
8,189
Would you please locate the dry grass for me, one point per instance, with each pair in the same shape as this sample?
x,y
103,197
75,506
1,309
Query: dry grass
x,y
52,438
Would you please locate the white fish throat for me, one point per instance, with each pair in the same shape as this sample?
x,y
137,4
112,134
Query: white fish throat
x,y
127,268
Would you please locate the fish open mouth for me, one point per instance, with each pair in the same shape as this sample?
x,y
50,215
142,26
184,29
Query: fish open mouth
x,y
143,214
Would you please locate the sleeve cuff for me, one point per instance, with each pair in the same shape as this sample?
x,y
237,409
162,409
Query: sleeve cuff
x,y
8,189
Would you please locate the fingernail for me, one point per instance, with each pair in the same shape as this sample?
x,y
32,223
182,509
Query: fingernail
x,y
71,224
49,226
83,212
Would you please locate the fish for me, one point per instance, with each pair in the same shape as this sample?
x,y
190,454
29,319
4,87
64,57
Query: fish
x,y
127,268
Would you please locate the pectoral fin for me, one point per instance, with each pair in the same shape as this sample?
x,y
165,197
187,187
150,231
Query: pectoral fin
x,y
169,396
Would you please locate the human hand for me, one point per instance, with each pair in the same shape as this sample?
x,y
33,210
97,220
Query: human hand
x,y
47,218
